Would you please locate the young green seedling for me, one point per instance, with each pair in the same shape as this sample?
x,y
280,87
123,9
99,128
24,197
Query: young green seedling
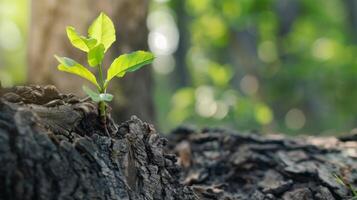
x,y
101,35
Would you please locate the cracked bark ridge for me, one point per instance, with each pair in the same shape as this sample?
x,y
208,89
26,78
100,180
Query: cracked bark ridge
x,y
52,147
223,164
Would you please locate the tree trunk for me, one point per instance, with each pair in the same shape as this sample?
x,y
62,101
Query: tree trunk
x,y
136,89
351,7
48,37
180,77
52,147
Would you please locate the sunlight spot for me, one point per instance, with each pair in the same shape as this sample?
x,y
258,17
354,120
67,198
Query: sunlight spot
x,y
183,98
159,41
263,114
10,35
267,52
295,119
206,107
220,74
164,40
222,110
164,64
164,35
160,17
204,92
249,84
205,103
323,49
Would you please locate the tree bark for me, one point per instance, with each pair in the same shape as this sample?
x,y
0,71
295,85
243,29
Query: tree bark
x,y
48,37
52,147
224,164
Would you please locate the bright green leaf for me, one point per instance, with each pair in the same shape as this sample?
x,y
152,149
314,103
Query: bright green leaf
x,y
76,40
96,55
96,97
102,29
71,66
128,63
90,42
80,42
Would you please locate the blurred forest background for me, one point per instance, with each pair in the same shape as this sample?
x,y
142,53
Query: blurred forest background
x,y
272,65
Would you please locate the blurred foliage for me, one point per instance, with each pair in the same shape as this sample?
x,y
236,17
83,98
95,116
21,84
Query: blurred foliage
x,y
273,65
13,28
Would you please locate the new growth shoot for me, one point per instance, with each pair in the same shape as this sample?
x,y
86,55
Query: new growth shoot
x,y
101,35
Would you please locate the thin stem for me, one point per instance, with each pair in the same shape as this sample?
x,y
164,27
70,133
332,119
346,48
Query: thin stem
x,y
101,104
101,79
102,90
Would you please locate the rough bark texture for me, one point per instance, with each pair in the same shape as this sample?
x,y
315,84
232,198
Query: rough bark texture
x,y
221,164
52,146
48,37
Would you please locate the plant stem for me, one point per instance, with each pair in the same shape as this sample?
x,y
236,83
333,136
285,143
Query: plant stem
x,y
101,104
101,79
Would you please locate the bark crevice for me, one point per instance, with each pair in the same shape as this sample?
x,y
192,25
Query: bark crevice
x,y
52,146
60,152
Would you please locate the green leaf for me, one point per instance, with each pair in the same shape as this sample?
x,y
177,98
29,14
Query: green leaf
x,y
102,29
92,94
90,42
71,66
128,63
78,41
96,97
96,55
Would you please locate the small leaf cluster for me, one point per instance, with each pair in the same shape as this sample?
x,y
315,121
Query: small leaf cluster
x,y
101,35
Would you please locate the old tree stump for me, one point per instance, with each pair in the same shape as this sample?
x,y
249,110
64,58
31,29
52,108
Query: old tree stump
x,y
52,146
